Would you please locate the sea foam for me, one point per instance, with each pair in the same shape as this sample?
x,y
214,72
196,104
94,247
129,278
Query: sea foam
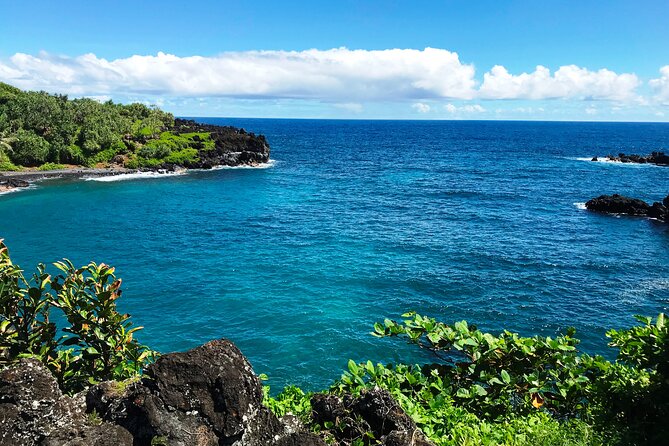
x,y
267,165
135,176
580,206
17,189
605,160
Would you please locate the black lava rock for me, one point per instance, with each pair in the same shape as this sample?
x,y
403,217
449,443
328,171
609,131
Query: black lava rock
x,y
373,411
206,396
618,204
33,411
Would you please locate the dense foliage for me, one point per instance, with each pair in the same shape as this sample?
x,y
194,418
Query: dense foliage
x,y
38,128
97,343
507,389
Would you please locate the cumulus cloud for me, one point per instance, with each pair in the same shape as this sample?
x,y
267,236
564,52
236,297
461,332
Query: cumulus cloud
x,y
568,81
339,75
468,109
420,107
661,86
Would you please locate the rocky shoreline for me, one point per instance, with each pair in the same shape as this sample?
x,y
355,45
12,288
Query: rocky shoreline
x,y
657,158
203,397
621,205
232,147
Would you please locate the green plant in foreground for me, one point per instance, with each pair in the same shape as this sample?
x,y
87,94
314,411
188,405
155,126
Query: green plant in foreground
x,y
511,390
99,344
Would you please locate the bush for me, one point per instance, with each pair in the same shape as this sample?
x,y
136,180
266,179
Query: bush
x,y
100,343
6,165
156,148
29,149
52,166
72,154
506,389
182,157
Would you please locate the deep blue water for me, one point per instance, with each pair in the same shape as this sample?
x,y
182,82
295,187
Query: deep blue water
x,y
362,220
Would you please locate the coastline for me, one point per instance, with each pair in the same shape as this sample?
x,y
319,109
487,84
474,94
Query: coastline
x,y
14,181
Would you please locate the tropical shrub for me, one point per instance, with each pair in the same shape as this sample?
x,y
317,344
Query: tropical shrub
x,y
98,343
51,166
29,149
505,389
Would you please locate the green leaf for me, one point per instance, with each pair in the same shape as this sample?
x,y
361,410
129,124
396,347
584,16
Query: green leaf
x,y
463,393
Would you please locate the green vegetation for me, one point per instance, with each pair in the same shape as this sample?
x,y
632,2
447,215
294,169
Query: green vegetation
x,y
481,389
38,129
51,166
98,344
511,390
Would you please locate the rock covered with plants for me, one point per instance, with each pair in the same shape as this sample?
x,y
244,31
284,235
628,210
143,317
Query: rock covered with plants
x,y
51,132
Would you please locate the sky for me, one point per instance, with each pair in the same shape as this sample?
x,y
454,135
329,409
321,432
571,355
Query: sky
x,y
450,59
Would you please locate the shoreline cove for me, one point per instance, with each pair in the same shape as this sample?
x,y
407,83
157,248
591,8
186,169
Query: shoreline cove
x,y
108,175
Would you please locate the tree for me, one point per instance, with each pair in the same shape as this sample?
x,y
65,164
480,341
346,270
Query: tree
x,y
29,149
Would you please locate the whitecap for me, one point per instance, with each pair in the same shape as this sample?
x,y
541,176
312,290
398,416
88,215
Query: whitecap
x,y
267,165
580,206
135,176
17,189
605,160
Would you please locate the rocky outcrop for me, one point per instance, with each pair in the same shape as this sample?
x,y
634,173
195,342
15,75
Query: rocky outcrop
x,y
206,396
232,146
8,184
658,158
618,204
33,411
374,411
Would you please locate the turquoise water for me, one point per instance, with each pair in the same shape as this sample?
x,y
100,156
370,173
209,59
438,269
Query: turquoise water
x,y
361,220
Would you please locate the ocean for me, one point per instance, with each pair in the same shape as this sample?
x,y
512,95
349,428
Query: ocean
x,y
357,221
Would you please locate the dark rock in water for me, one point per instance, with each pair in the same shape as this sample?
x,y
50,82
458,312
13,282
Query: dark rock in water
x,y
659,211
373,411
13,183
33,411
658,158
618,204
206,396
594,158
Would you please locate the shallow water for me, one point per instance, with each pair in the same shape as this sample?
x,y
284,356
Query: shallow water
x,y
361,220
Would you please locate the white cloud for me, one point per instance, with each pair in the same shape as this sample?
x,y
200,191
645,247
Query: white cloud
x,y
420,107
568,81
468,109
342,77
591,110
339,75
661,86
103,98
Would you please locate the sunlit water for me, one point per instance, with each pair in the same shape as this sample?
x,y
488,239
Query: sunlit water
x,y
357,221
